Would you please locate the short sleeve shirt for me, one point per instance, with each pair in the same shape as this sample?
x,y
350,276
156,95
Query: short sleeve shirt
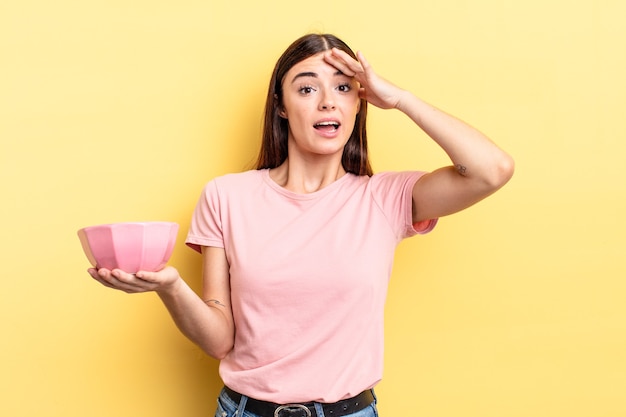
x,y
309,276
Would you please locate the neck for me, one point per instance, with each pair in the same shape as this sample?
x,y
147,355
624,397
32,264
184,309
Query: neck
x,y
306,177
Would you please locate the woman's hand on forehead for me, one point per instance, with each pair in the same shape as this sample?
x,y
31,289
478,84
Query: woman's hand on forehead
x,y
374,89
344,62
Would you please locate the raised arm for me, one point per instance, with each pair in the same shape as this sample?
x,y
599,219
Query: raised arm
x,y
207,320
479,167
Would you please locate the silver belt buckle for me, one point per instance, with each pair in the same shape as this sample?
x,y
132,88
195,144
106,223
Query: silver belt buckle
x,y
292,408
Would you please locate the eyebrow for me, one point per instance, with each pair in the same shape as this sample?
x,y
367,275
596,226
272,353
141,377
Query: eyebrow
x,y
311,74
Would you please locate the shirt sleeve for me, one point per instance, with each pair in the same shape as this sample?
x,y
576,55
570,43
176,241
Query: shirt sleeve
x,y
206,221
393,192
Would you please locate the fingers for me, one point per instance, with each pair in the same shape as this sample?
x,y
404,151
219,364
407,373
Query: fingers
x,y
344,62
120,280
364,62
100,275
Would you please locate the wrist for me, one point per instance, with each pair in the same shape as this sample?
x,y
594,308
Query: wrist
x,y
404,99
170,289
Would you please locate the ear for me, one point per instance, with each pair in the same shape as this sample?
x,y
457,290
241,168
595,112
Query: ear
x,y
281,110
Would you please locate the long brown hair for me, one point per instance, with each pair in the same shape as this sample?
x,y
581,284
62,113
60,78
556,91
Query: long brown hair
x,y
275,128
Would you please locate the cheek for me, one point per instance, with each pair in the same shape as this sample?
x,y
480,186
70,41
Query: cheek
x,y
357,108
354,102
296,123
292,109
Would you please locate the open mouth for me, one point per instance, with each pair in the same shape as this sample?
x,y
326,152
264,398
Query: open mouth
x,y
327,126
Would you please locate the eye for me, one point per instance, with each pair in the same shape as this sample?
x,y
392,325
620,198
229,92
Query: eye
x,y
305,90
344,88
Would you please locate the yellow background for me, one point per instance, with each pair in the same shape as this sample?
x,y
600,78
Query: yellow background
x,y
118,110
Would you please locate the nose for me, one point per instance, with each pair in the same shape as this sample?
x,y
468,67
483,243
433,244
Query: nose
x,y
326,101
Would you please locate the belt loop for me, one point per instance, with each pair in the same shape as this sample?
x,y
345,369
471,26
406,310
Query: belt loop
x,y
242,405
319,410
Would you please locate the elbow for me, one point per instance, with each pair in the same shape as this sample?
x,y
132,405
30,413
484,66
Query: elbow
x,y
506,168
217,352
501,172
220,354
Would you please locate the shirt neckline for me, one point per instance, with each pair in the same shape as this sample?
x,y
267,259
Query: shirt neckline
x,y
265,173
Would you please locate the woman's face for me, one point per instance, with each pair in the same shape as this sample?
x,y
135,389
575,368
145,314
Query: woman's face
x,y
320,104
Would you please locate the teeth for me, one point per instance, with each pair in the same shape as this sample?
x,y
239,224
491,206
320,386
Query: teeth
x,y
335,124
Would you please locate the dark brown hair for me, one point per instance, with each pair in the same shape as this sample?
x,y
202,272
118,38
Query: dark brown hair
x,y
275,128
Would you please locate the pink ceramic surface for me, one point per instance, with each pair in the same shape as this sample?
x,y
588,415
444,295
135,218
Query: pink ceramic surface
x,y
131,247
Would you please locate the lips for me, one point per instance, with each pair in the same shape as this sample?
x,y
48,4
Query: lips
x,y
327,125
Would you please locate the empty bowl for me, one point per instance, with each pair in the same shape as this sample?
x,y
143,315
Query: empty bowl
x,y
131,247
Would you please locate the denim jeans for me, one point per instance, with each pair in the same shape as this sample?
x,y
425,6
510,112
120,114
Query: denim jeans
x,y
228,408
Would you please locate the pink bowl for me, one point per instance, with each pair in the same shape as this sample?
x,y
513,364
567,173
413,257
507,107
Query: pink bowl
x,y
131,247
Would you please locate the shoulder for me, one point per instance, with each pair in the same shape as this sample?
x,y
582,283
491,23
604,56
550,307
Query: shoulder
x,y
229,186
394,180
238,178
235,181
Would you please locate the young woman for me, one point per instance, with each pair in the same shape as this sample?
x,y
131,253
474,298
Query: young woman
x,y
297,254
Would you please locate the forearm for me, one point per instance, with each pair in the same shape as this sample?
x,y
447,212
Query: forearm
x,y
474,155
205,325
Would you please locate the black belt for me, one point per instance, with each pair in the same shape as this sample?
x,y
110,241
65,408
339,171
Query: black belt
x,y
338,409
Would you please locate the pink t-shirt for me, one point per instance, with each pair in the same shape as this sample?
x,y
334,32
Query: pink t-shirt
x,y
309,275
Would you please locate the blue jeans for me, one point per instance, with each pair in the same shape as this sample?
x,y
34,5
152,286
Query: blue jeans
x,y
228,408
